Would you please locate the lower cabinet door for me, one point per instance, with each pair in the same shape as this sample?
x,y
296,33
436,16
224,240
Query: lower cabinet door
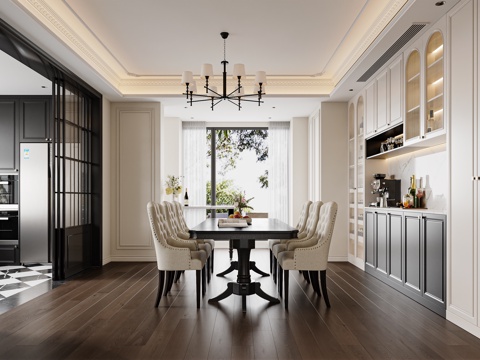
x,y
382,235
369,233
434,256
413,273
395,231
9,255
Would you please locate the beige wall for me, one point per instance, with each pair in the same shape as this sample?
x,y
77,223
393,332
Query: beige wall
x,y
135,178
328,164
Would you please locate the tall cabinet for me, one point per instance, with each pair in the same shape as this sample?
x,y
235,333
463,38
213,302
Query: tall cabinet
x,y
356,181
463,297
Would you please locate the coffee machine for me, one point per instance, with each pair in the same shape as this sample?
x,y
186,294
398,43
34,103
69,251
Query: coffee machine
x,y
388,191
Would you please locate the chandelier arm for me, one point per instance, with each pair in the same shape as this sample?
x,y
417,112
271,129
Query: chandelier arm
x,y
251,95
237,105
207,96
228,96
208,89
200,100
255,101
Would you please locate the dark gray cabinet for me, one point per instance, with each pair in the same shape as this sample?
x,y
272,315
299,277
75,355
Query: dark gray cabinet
x,y
35,119
395,247
8,135
413,242
406,250
9,255
22,119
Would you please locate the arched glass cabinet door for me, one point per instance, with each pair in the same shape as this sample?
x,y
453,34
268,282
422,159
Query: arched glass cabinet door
x,y
412,96
434,83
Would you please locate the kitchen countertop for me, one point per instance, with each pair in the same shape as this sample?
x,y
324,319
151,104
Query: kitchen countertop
x,y
418,210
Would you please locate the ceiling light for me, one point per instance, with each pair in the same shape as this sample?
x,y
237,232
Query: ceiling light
x,y
211,94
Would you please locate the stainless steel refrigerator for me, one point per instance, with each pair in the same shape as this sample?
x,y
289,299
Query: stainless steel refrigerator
x,y
34,203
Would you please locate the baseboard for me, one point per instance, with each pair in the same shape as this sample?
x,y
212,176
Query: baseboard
x,y
106,260
338,258
465,325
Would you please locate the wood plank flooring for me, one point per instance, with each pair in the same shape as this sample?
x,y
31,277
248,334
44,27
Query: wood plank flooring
x,y
108,313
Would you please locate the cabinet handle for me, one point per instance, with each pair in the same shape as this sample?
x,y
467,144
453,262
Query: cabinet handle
x,y
474,178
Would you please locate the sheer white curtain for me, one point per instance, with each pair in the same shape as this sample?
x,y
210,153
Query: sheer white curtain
x,y
278,174
194,168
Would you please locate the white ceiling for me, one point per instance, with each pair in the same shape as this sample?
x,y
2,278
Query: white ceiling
x,y
312,50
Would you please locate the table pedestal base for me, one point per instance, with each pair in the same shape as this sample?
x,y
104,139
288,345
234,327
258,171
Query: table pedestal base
x,y
234,266
244,286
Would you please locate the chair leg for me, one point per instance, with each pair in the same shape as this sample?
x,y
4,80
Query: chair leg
x,y
280,280
178,273
204,283
323,280
306,277
168,282
271,261
230,249
274,274
314,279
211,260
161,281
207,264
285,288
198,275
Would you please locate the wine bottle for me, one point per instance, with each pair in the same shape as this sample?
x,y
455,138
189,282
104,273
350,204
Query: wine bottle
x,y
413,192
430,121
185,198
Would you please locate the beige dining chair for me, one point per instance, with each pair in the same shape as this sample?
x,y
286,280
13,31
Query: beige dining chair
x,y
172,258
186,232
308,233
302,223
175,231
313,258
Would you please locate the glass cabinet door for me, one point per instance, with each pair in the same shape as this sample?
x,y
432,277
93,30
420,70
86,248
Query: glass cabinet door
x,y
351,179
434,83
412,96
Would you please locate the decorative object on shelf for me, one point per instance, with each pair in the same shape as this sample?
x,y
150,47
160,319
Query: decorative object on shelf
x,y
185,198
173,186
236,96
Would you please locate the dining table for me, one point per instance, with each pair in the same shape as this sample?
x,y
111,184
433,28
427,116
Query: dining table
x,y
243,240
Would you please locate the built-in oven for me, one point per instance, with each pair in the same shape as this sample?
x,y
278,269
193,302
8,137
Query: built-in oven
x,y
8,189
9,249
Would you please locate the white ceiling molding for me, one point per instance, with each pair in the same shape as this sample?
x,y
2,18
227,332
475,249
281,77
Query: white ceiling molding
x,y
59,19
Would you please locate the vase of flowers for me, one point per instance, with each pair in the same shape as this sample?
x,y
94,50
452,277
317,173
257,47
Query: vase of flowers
x,y
241,203
173,186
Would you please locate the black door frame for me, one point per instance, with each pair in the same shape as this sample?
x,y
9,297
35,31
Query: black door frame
x,y
25,51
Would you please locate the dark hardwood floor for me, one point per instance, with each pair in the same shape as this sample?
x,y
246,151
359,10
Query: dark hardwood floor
x,y
109,314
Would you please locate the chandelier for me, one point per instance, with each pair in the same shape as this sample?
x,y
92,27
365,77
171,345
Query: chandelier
x,y
211,94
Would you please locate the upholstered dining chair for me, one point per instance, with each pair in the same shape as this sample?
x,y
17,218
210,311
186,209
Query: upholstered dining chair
x,y
313,258
302,222
186,232
308,233
173,229
169,257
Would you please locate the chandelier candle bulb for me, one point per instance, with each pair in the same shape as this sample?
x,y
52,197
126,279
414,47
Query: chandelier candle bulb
x,y
238,71
261,78
207,71
187,77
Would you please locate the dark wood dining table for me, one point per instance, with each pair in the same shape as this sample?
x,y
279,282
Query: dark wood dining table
x,y
243,240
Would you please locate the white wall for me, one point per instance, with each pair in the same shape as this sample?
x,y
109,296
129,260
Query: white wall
x,y
170,150
431,165
299,166
106,163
